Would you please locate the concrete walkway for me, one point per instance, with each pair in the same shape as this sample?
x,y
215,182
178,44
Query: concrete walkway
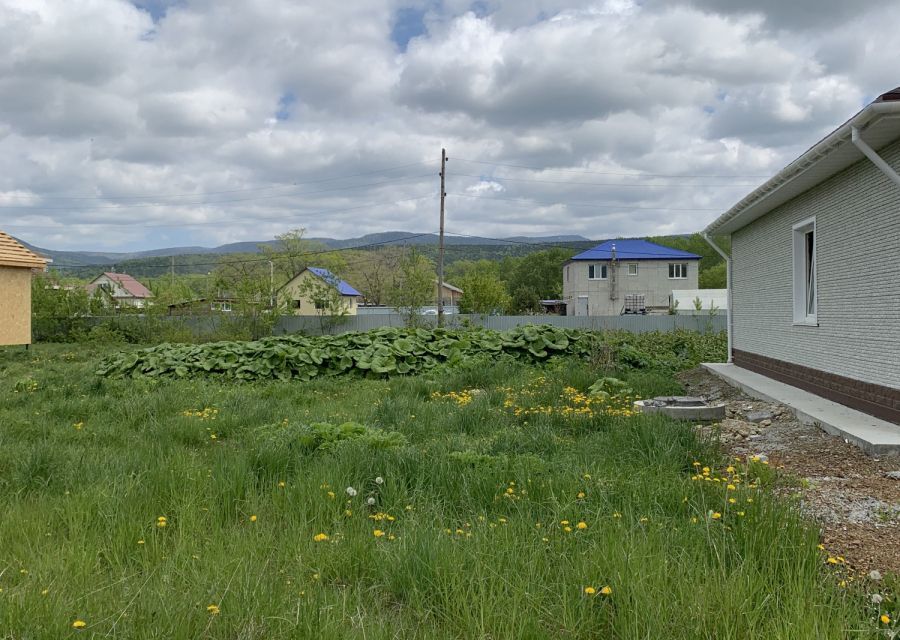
x,y
872,435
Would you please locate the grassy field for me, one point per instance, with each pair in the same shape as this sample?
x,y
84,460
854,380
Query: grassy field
x,y
491,500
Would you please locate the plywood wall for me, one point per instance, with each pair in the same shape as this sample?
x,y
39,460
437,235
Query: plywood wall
x,y
15,305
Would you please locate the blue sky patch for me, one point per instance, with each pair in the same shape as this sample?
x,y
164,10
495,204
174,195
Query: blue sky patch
x,y
409,23
285,102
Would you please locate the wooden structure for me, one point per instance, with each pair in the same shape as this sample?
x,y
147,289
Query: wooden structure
x,y
16,265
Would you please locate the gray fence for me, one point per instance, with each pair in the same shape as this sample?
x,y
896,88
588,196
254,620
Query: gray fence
x,y
633,323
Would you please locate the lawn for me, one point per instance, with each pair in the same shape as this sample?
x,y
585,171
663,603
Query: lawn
x,y
490,499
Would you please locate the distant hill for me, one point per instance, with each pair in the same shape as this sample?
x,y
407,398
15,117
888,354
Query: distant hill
x,y
399,238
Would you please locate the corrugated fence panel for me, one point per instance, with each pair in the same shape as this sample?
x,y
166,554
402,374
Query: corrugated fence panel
x,y
635,324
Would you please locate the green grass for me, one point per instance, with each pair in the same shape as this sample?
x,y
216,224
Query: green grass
x,y
75,503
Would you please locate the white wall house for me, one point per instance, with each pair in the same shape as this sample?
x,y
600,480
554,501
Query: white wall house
x,y
613,277
815,279
121,290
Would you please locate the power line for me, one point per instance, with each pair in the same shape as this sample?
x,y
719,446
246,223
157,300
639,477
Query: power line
x,y
207,193
607,173
122,207
594,205
603,184
244,220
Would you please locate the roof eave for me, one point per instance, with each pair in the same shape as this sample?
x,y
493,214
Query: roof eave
x,y
736,217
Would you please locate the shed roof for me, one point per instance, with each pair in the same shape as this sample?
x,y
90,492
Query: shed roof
x,y
879,125
14,254
634,249
132,286
343,288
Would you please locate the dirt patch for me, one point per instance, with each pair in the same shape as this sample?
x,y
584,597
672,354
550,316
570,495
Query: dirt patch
x,y
854,497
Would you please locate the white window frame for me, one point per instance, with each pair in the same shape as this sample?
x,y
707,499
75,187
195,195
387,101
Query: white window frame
x,y
804,274
604,271
678,267
635,266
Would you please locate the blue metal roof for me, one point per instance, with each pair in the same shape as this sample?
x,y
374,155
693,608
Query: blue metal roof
x,y
634,250
344,288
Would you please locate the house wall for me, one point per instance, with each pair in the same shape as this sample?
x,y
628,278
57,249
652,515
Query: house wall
x,y
121,295
15,305
652,280
858,274
291,293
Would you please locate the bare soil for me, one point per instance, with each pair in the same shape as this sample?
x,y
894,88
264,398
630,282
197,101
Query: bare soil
x,y
854,497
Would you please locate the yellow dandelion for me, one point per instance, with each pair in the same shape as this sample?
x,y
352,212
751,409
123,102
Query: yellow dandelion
x,y
213,609
79,624
320,537
731,500
567,529
253,518
140,542
832,560
885,618
378,533
45,592
580,495
582,525
716,515
731,487
282,484
589,591
606,591
564,522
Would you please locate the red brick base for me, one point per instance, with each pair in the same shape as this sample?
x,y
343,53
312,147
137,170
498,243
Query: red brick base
x,y
876,400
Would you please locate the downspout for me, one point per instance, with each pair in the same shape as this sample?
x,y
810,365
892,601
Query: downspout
x,y
728,321
876,159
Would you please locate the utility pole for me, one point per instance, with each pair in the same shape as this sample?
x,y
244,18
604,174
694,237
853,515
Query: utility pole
x,y
440,287
173,270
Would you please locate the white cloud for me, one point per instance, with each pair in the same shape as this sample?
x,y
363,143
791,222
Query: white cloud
x,y
212,121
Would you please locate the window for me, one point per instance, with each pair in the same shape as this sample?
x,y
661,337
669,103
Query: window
x,y
597,272
805,286
632,269
678,271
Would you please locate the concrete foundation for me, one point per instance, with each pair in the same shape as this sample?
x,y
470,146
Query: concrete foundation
x,y
872,435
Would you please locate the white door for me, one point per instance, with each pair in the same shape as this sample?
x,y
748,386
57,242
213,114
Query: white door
x,y
581,307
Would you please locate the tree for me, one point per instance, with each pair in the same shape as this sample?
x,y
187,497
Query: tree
x,y
536,277
483,292
374,273
246,279
415,286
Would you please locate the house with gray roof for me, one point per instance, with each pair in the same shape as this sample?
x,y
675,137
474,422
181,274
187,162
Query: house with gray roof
x,y
626,276
814,271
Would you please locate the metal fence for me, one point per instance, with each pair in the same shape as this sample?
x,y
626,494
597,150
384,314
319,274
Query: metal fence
x,y
632,323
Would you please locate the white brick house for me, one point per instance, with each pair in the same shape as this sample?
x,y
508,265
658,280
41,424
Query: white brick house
x,y
815,267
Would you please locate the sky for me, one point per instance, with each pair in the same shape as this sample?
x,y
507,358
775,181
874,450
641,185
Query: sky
x,y
154,123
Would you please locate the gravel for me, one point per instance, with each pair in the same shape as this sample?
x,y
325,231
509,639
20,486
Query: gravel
x,y
853,497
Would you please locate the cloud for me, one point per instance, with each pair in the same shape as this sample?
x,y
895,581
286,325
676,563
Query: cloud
x,y
133,125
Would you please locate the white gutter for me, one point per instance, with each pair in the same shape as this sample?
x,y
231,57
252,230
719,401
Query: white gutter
x,y
876,159
728,287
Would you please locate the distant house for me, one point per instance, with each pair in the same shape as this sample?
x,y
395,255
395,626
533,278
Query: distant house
x,y
451,295
815,267
222,302
621,276
16,265
300,292
121,290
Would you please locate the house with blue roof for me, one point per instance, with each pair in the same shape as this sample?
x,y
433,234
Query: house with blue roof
x,y
317,291
626,276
